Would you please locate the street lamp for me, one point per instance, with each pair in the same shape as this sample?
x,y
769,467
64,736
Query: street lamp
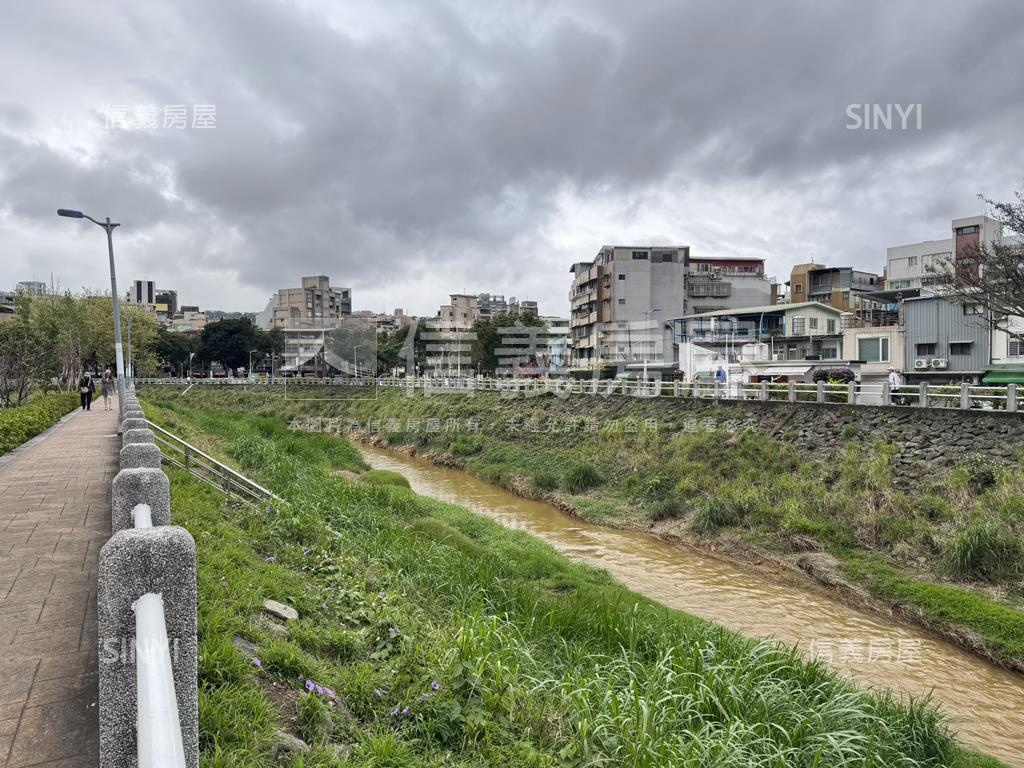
x,y
131,363
355,359
647,317
108,226
251,351
190,356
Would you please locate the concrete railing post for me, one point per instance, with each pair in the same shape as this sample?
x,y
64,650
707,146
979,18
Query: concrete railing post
x,y
965,396
139,486
851,393
139,455
886,400
1011,398
819,393
922,395
763,391
792,392
133,563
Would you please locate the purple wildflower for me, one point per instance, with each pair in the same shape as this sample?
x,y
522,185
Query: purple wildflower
x,y
305,551
380,693
324,606
256,662
381,595
424,697
405,710
330,692
271,558
319,689
343,625
310,685
392,631
435,686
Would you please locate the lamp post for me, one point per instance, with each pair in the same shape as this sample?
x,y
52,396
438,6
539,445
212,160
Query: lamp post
x,y
355,359
251,351
108,227
190,356
647,317
130,363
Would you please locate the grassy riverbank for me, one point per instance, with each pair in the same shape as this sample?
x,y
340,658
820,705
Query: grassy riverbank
x,y
26,421
948,554
433,637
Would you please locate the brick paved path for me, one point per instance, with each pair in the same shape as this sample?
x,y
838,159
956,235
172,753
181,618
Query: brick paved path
x,y
54,517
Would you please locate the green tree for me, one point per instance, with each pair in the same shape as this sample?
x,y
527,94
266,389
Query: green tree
x,y
175,349
229,342
484,349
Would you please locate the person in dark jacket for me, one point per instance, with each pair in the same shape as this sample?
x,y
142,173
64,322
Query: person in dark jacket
x,y
86,388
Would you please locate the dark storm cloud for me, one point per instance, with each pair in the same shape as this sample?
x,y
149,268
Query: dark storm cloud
x,y
425,147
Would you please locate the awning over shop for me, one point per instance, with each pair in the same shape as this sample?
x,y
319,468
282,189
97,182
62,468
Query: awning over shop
x,y
1004,374
782,370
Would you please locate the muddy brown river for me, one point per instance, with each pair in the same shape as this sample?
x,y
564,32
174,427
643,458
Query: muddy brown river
x,y
985,703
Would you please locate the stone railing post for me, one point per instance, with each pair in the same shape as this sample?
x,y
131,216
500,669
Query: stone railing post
x,y
851,393
133,563
819,394
762,393
886,400
792,392
1011,398
922,395
965,396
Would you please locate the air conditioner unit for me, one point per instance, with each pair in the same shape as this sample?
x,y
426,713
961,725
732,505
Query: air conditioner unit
x,y
921,362
940,362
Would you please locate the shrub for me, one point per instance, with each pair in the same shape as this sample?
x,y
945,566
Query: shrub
x,y
384,477
544,480
834,375
711,514
849,432
983,549
26,421
581,477
665,509
982,471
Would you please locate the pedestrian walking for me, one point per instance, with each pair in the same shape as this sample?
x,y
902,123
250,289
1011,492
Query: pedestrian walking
x,y
86,389
107,388
895,382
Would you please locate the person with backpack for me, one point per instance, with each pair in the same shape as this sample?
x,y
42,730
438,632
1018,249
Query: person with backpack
x,y
86,388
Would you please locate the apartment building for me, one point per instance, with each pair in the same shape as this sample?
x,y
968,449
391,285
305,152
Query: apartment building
x,y
723,283
314,304
918,265
33,288
844,288
461,312
623,285
945,340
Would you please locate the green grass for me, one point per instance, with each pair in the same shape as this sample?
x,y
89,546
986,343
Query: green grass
x,y
26,421
448,640
384,477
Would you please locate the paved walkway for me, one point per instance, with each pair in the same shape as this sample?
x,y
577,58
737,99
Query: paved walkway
x,y
54,517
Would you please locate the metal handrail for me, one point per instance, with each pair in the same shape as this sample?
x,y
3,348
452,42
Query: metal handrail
x,y
206,468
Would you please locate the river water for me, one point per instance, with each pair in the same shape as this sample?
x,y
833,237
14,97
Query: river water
x,y
984,702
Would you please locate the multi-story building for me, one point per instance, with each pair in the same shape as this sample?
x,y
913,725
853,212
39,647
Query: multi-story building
x,y
624,285
33,288
142,292
877,348
522,307
621,300
919,265
726,283
316,301
167,303
844,288
8,303
461,313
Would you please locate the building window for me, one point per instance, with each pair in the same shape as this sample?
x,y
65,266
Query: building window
x,y
968,230
974,309
639,255
798,288
925,350
830,326
960,348
829,353
622,277
912,261
812,323
799,326
873,350
1015,348
622,301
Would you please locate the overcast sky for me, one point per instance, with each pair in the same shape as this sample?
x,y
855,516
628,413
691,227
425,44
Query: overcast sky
x,y
413,149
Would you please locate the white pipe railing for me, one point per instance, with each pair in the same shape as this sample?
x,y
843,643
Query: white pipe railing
x,y
158,727
959,396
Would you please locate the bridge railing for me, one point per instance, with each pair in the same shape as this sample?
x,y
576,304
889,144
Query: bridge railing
x,y
960,396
